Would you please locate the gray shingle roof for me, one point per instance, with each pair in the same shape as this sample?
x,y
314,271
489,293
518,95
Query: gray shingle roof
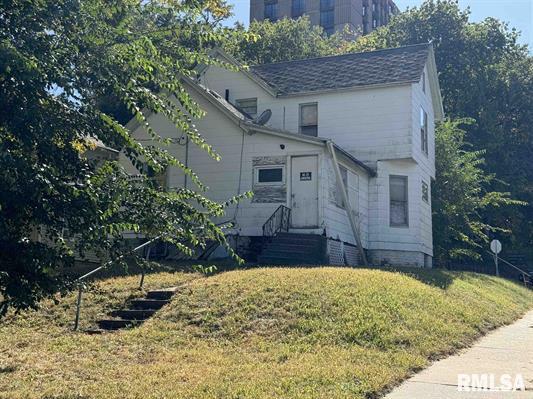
x,y
389,66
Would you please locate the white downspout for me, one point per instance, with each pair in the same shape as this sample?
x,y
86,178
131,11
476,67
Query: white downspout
x,y
351,215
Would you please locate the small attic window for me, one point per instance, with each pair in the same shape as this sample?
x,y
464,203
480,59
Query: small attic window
x,y
424,81
248,106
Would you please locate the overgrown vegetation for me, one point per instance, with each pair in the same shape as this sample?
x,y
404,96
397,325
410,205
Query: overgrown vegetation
x,y
461,195
71,74
263,333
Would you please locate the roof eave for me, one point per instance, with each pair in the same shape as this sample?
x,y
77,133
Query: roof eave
x,y
367,168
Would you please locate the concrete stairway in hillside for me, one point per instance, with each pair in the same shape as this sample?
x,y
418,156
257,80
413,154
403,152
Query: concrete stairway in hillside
x,y
138,311
294,249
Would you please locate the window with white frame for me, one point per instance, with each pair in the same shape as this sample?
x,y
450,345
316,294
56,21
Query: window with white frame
x,y
248,106
309,119
425,191
269,175
424,146
399,204
339,201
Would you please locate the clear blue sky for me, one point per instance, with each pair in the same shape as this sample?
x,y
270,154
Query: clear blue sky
x,y
519,13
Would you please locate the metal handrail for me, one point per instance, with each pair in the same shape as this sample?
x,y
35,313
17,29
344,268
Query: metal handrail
x,y
277,222
523,272
79,280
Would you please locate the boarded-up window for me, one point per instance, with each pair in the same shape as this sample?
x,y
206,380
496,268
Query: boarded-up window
x,y
399,207
248,106
425,191
424,131
309,119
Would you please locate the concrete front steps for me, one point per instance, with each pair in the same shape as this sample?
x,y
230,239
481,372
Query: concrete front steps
x,y
138,311
294,249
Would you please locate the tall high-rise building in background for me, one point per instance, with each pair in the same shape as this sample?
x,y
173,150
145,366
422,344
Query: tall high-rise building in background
x,y
360,15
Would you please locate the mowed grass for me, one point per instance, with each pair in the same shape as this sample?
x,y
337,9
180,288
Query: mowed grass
x,y
261,333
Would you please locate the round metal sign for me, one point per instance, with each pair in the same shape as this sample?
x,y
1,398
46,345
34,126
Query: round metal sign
x,y
496,246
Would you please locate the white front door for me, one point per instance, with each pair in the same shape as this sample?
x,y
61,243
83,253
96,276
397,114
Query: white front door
x,y
304,191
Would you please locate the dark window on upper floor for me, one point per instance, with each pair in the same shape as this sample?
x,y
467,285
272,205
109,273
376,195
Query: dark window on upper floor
x,y
326,5
327,15
298,8
271,10
309,119
424,144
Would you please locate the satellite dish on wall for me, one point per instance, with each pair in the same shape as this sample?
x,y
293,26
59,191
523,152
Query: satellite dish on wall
x,y
264,117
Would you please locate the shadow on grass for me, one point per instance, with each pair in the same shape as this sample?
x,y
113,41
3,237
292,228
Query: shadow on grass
x,y
443,278
439,278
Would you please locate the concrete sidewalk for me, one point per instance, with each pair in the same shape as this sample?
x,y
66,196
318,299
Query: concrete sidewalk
x,y
507,350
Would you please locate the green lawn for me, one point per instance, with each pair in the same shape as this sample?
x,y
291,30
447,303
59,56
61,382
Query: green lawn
x,y
261,333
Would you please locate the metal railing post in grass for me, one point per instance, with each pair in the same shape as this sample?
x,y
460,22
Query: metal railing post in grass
x,y
105,265
78,307
142,267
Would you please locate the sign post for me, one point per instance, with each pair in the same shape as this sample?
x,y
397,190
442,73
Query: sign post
x,y
496,247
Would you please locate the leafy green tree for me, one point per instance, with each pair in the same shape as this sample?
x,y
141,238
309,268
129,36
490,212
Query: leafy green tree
x,y
460,195
58,59
485,75
284,40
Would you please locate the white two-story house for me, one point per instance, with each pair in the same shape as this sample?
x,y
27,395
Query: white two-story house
x,y
339,152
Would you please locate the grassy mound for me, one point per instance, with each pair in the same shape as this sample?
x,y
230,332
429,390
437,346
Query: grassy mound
x,y
263,333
